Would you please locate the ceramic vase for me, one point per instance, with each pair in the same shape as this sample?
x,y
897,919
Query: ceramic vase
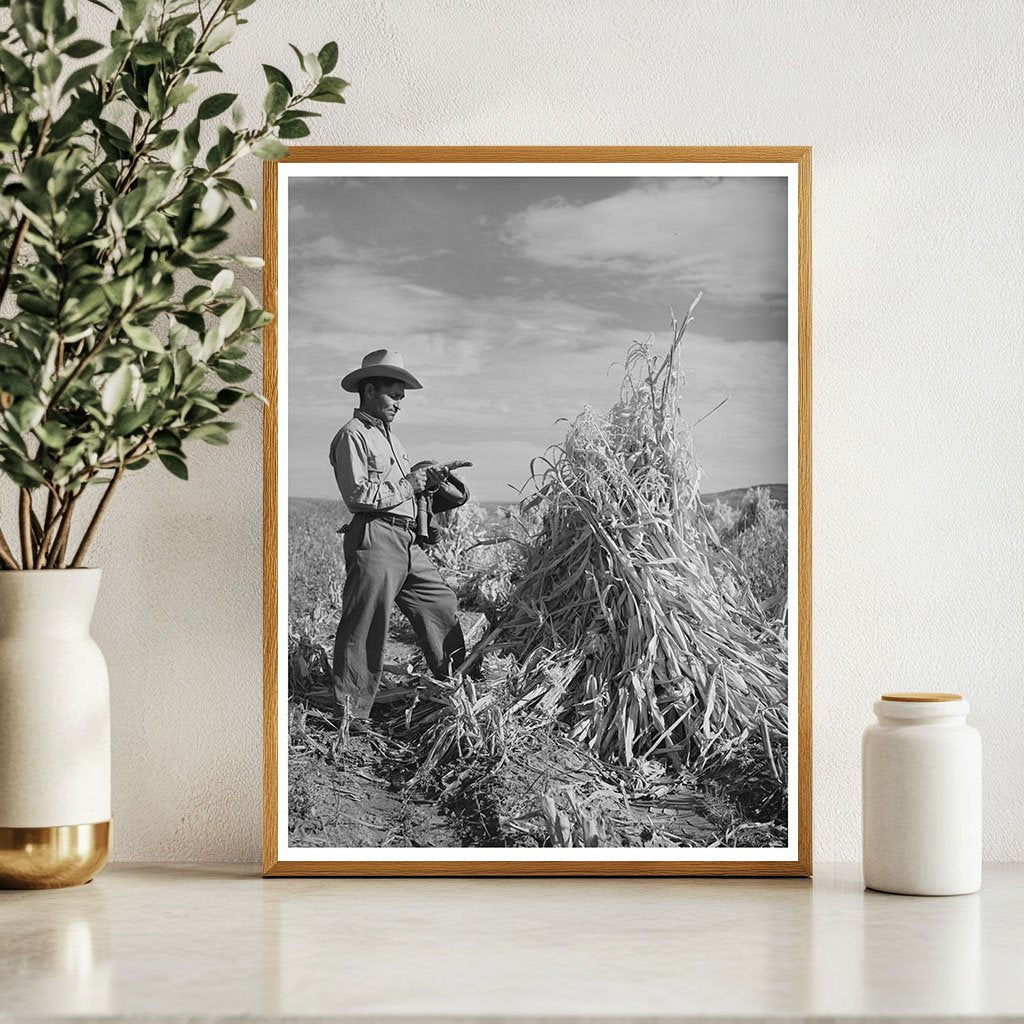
x,y
54,731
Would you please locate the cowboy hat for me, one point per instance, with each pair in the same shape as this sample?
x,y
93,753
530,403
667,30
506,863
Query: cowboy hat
x,y
382,363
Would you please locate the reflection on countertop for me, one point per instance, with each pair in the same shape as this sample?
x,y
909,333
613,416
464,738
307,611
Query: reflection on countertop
x,y
179,941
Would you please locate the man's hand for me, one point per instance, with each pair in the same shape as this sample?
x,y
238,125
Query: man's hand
x,y
436,475
417,480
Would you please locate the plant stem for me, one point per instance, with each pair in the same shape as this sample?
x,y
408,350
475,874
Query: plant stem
x,y
51,524
94,523
60,545
37,531
25,522
51,506
6,555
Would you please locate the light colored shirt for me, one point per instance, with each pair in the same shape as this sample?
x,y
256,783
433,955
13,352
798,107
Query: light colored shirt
x,y
370,466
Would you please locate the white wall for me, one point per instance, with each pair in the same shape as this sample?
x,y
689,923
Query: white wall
x,y
914,113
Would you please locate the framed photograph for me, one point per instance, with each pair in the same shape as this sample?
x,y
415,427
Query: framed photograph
x,y
538,511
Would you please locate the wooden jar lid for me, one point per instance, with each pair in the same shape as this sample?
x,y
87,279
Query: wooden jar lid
x,y
921,698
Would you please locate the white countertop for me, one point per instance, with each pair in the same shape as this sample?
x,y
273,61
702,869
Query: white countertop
x,y
173,942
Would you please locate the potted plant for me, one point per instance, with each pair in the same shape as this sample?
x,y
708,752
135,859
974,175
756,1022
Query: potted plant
x,y
122,339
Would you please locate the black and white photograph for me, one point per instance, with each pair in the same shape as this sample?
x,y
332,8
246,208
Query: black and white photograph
x,y
537,513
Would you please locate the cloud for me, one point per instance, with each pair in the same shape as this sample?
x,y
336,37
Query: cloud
x,y
332,248
725,235
345,309
499,374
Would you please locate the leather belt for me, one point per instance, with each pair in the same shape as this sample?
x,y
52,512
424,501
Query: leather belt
x,y
389,517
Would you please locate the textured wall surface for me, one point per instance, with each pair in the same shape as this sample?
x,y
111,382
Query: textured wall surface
x,y
913,110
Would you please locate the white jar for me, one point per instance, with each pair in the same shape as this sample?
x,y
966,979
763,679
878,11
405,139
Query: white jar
x,y
921,789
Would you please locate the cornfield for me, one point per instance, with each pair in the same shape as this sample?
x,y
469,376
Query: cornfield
x,y
633,687
632,623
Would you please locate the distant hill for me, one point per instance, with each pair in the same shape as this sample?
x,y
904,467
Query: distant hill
x,y
779,493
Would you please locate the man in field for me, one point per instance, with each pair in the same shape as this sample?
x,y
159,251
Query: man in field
x,y
383,563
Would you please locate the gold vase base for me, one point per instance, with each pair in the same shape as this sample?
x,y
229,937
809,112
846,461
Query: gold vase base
x,y
52,857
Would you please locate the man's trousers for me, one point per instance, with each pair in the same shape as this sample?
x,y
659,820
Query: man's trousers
x,y
384,566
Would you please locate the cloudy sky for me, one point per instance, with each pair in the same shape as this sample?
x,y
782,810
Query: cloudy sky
x,y
511,300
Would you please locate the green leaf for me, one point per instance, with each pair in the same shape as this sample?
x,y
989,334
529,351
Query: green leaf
x,y
78,78
149,53
311,65
175,464
276,99
193,379
227,397
65,30
86,309
269,149
216,104
162,139
181,94
293,130
129,207
26,413
133,12
279,77
185,147
232,373
83,48
325,96
184,44
11,356
334,84
78,222
221,35
232,319
53,435
167,441
222,282
156,100
195,296
211,208
21,471
164,376
328,57
234,6
143,338
11,442
54,15
14,68
109,65
116,390
193,321
119,291
211,433
34,304
25,18
128,421
116,133
49,68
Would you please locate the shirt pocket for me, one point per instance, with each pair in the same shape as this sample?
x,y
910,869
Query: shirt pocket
x,y
377,466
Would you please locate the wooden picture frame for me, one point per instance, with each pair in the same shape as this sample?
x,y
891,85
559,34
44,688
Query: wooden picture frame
x,y
791,162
